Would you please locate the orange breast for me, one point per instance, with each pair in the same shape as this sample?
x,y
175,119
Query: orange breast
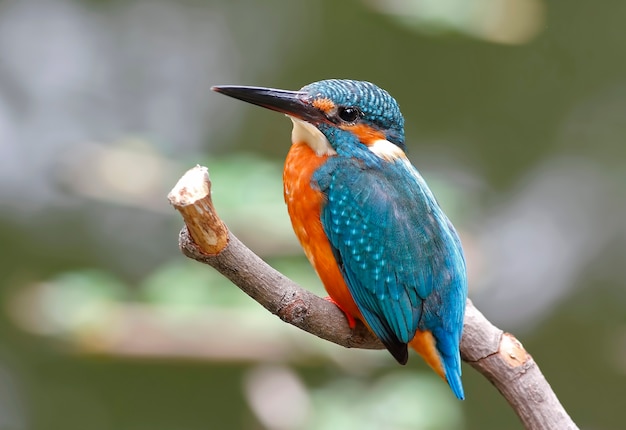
x,y
304,205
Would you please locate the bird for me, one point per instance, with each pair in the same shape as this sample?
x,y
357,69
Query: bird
x,y
385,251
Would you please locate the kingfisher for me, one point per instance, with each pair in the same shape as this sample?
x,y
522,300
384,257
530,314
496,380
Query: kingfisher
x,y
367,221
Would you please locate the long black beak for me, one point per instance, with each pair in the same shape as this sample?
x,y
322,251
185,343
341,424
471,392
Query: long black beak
x,y
293,103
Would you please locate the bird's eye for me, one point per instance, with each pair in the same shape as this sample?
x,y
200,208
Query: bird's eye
x,y
349,114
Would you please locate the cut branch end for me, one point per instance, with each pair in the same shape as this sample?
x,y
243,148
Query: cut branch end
x,y
191,196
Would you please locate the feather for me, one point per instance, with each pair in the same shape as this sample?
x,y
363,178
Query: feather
x,y
400,256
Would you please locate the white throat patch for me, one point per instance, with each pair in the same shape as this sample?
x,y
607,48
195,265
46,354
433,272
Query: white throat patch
x,y
387,150
309,134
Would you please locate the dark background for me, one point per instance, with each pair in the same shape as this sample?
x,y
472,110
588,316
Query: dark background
x,y
515,113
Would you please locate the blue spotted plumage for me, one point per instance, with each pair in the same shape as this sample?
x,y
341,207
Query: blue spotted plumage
x,y
356,200
398,251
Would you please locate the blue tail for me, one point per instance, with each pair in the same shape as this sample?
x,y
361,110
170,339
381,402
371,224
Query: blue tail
x,y
451,358
452,366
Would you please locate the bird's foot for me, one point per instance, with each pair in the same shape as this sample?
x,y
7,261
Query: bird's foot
x,y
350,318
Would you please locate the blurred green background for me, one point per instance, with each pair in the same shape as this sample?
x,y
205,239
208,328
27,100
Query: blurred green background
x,y
515,114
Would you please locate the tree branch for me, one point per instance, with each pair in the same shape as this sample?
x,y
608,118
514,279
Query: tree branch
x,y
498,356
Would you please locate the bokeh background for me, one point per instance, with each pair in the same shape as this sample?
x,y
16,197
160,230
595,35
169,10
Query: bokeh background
x,y
515,115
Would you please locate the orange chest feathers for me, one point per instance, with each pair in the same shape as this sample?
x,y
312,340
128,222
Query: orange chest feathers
x,y
304,205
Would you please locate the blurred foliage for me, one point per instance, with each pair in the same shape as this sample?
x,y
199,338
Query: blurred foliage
x,y
514,114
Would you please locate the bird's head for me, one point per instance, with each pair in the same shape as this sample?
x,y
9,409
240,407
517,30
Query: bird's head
x,y
335,112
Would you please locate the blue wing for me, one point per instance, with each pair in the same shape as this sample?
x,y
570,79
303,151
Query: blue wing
x,y
398,252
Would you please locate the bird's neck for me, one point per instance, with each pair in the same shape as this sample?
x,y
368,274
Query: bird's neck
x,y
356,141
363,142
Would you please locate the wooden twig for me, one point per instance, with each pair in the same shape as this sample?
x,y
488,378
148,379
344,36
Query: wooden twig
x,y
496,355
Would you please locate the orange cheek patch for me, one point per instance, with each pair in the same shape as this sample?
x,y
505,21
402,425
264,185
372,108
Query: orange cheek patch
x,y
365,133
325,105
